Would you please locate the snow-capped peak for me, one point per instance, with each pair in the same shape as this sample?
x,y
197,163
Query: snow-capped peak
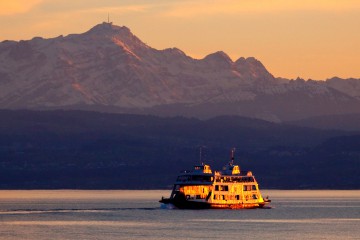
x,y
108,29
218,56
116,34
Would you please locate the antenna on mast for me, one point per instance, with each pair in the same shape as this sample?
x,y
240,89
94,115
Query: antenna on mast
x,y
232,156
108,18
201,157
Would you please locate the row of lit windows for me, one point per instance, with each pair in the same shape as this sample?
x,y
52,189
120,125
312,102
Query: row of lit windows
x,y
249,187
234,197
226,188
235,179
202,196
196,178
221,188
226,197
195,190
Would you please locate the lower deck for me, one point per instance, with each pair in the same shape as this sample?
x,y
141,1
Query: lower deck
x,y
180,201
218,195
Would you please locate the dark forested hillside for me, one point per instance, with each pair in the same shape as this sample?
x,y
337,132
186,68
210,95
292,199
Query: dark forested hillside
x,y
90,150
348,122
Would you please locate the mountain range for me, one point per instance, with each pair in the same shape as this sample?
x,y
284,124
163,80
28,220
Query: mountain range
x,y
109,69
103,110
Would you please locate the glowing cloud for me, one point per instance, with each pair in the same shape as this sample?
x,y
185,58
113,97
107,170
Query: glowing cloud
x,y
17,6
121,9
207,7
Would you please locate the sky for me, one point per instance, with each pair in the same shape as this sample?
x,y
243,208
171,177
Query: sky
x,y
311,39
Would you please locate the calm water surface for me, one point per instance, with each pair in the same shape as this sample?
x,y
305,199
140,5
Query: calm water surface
x,y
138,215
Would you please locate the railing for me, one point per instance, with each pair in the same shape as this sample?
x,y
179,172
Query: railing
x,y
234,179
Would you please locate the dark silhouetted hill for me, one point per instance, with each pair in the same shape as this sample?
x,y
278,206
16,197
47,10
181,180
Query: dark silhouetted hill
x,y
348,122
90,150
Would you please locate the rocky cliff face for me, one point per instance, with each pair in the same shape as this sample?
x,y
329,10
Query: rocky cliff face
x,y
110,68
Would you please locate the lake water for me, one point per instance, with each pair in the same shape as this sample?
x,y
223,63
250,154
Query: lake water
x,y
64,214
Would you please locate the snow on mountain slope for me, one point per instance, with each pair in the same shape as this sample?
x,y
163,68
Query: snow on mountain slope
x,y
109,66
350,86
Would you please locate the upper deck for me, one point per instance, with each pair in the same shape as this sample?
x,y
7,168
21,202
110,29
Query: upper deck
x,y
203,175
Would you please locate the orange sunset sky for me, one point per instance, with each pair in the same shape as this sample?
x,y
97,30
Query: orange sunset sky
x,y
315,39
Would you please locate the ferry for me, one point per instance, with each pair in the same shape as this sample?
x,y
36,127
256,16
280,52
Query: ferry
x,y
202,188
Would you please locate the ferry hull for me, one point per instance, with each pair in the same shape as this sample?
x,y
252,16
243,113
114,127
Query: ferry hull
x,y
186,204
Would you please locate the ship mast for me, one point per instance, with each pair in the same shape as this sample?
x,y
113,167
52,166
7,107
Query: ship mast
x,y
232,157
200,157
